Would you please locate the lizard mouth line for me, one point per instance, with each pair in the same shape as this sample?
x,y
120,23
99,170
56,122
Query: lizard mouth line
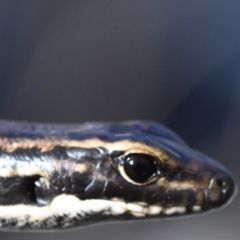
x,y
76,208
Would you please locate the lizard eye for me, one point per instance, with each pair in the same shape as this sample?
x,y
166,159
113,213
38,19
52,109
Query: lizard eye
x,y
140,169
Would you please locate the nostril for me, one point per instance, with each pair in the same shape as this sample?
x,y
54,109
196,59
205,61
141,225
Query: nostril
x,y
219,181
221,188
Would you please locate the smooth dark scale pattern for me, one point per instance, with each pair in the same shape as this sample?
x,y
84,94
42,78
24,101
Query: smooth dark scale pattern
x,y
140,167
93,173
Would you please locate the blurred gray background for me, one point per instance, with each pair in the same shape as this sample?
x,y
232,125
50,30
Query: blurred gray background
x,y
175,62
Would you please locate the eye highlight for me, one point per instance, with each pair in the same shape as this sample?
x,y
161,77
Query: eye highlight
x,y
140,168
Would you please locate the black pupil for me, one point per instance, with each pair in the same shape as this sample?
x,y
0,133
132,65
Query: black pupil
x,y
140,167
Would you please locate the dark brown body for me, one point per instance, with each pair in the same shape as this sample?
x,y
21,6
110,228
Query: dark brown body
x,y
41,163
